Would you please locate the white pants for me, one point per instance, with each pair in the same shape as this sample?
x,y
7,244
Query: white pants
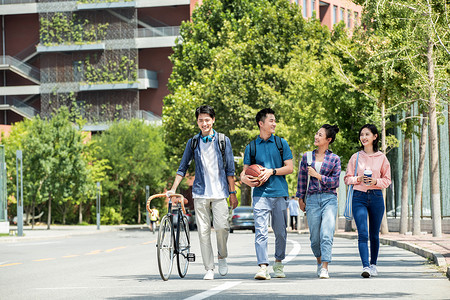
x,y
219,208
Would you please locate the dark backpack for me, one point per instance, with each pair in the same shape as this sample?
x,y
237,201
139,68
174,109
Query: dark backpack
x,y
222,145
253,149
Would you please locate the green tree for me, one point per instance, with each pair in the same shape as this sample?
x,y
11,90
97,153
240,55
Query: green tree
x,y
415,33
241,56
97,172
54,169
222,61
136,156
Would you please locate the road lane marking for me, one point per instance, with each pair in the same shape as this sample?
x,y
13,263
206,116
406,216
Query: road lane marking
x,y
294,252
146,243
214,291
93,252
70,256
11,264
44,259
114,249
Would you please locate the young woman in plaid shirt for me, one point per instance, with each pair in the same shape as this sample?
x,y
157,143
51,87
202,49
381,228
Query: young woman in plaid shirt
x,y
321,198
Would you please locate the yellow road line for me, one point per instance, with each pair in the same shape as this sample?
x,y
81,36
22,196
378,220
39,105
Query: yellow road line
x,y
12,264
44,259
70,256
94,252
146,243
114,249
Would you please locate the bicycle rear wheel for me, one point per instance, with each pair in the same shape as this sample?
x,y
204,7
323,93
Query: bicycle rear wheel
x,y
184,246
165,250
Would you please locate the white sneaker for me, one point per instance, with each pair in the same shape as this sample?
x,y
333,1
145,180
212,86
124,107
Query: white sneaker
x,y
366,272
209,275
223,267
373,270
319,267
263,273
278,270
324,274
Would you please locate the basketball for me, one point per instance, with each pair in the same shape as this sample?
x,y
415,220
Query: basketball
x,y
255,171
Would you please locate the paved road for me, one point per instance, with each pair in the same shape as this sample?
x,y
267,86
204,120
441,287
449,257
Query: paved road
x,y
122,265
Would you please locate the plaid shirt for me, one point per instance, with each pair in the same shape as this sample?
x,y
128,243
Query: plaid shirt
x,y
330,171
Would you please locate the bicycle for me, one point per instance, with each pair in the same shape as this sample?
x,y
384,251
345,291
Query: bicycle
x,y
170,244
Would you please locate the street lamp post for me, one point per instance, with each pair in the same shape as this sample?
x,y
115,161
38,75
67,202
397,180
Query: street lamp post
x,y
98,205
147,194
19,193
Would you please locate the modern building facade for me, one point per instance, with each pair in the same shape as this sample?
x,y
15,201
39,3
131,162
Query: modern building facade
x,y
107,59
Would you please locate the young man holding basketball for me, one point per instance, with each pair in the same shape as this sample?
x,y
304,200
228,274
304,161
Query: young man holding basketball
x,y
270,190
213,184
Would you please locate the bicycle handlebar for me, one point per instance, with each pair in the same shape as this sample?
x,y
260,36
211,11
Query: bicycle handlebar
x,y
179,199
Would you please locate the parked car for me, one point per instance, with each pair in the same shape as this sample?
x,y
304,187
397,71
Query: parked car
x,y
190,214
242,218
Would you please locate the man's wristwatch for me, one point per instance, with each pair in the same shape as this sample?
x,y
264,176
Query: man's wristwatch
x,y
274,172
232,192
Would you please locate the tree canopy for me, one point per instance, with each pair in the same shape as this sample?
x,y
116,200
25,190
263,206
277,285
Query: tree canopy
x,y
242,56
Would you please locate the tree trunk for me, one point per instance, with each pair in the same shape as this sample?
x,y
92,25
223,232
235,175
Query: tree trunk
x,y
384,223
405,176
246,195
64,214
49,216
434,147
120,203
419,183
80,213
139,212
33,207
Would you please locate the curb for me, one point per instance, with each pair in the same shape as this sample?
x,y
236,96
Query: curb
x,y
61,234
437,258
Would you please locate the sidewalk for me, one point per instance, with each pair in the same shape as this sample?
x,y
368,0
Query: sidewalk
x,y
63,231
437,250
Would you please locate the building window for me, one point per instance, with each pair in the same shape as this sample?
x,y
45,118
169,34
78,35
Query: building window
x,y
313,5
78,68
335,13
305,13
349,19
356,21
341,14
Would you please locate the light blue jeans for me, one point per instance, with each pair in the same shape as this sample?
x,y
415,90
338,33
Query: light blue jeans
x,y
277,209
321,212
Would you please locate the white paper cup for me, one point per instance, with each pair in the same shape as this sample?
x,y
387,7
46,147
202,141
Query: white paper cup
x,y
368,173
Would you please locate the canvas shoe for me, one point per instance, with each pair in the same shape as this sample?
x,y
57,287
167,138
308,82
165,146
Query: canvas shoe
x,y
263,273
366,272
223,267
209,275
319,267
324,274
278,270
373,270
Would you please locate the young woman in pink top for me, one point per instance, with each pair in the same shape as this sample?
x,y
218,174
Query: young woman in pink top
x,y
367,196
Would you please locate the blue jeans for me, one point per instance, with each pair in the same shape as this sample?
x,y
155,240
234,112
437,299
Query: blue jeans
x,y
277,209
369,204
321,209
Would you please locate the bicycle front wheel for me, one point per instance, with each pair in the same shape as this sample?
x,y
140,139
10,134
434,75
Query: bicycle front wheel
x,y
165,250
184,246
